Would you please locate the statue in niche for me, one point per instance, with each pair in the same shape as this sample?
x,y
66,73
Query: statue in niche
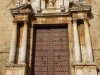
x,y
50,3
21,2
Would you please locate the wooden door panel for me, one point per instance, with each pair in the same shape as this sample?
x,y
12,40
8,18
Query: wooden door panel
x,y
52,52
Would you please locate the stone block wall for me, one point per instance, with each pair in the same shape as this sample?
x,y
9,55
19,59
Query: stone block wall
x,y
5,32
95,31
6,26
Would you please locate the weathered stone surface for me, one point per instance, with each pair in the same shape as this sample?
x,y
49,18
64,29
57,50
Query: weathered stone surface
x,y
6,26
3,61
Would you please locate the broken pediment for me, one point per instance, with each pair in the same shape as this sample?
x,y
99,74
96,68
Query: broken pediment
x,y
50,6
79,6
24,8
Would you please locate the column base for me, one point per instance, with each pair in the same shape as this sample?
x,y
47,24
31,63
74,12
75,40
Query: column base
x,y
78,64
91,63
9,64
38,10
62,8
22,63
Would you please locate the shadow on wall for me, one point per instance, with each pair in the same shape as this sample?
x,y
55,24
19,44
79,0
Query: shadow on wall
x,y
98,71
90,15
33,53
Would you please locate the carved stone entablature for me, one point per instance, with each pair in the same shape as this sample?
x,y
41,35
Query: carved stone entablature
x,y
22,12
80,15
52,20
21,17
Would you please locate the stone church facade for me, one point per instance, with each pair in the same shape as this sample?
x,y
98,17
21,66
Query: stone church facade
x,y
49,37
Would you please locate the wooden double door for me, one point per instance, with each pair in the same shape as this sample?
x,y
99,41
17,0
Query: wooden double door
x,y
51,55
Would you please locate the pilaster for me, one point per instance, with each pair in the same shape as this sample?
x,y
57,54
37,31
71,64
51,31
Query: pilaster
x,y
12,54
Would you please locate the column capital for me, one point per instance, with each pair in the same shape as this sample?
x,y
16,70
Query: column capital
x,y
14,21
85,19
74,19
70,22
25,21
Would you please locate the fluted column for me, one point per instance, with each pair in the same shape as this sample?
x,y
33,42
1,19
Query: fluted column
x,y
76,42
88,42
23,49
13,44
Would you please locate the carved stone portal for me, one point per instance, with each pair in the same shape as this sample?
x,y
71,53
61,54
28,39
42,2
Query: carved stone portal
x,y
48,52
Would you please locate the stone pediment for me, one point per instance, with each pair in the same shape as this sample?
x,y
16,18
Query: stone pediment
x,y
73,6
25,8
79,6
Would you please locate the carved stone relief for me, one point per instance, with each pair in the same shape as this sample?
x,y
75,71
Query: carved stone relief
x,y
51,3
66,4
34,5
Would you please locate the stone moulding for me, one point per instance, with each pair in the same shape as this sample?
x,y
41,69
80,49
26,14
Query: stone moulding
x,y
26,13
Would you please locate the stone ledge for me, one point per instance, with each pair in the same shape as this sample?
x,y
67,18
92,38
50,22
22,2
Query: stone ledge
x,y
51,14
20,65
84,64
78,64
9,64
91,64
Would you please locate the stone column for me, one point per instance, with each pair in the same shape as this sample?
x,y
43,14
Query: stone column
x,y
13,44
61,2
23,49
76,43
62,5
88,42
38,5
24,1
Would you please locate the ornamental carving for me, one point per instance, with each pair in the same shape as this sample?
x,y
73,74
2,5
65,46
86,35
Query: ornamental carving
x,y
51,3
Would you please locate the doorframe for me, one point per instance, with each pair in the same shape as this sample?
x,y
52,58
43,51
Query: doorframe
x,y
70,38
